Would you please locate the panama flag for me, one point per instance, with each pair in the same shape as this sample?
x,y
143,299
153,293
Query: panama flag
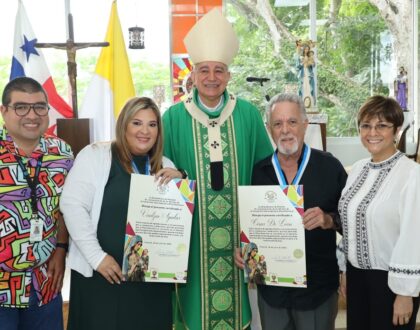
x,y
29,61
111,85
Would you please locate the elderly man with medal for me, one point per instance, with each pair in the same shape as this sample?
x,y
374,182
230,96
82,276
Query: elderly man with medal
x,y
217,138
322,177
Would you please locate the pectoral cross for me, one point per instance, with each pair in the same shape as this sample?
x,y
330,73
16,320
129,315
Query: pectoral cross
x,y
71,47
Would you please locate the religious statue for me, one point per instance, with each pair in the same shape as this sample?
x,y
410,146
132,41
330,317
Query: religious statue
x,y
159,95
401,88
305,63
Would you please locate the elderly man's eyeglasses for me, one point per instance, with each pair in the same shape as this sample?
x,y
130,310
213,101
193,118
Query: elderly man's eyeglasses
x,y
22,109
380,128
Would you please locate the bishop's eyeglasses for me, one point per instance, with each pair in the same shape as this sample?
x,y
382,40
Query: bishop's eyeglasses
x,y
22,109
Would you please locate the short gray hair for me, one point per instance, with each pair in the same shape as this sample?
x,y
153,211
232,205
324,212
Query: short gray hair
x,y
285,97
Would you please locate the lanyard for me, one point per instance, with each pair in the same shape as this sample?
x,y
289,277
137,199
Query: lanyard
x,y
32,182
277,168
136,170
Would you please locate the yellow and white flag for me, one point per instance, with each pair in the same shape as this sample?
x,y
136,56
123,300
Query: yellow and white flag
x,y
111,85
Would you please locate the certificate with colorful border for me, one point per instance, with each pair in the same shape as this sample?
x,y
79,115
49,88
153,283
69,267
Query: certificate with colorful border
x,y
272,235
158,230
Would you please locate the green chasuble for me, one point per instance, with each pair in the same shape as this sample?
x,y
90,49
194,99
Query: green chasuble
x,y
215,296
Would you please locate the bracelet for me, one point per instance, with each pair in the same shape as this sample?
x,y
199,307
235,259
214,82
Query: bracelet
x,y
183,172
64,246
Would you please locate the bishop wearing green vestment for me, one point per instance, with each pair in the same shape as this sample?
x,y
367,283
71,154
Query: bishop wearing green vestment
x,y
216,138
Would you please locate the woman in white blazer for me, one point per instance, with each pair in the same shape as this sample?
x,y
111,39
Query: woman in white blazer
x,y
94,204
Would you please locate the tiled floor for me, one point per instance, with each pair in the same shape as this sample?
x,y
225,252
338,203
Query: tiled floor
x,y
340,322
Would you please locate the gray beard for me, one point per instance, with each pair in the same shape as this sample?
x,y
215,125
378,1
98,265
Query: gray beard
x,y
288,151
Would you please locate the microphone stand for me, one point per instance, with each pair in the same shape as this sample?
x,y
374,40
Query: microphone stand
x,y
267,97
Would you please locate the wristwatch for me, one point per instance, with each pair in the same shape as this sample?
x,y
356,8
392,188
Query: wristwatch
x,y
183,172
64,246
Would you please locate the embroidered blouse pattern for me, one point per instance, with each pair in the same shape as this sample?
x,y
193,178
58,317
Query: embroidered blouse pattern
x,y
362,236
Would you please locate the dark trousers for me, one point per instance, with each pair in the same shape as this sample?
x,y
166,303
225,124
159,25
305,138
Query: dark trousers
x,y
320,318
370,301
46,317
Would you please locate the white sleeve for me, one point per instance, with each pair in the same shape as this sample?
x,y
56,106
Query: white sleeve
x,y
341,257
404,266
166,162
76,205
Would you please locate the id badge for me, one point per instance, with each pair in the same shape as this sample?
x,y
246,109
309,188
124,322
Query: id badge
x,y
36,230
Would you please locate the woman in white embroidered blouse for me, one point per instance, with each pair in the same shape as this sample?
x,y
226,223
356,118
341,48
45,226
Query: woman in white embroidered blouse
x,y
379,209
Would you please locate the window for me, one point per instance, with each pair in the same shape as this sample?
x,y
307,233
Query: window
x,y
356,53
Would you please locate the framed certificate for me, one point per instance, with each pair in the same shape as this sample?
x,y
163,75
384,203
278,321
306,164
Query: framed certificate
x,y
158,230
272,235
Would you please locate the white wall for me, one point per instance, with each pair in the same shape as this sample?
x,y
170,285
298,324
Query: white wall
x,y
348,150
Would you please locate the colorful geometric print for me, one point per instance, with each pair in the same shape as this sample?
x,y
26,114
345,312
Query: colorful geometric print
x,y
23,263
295,195
12,289
187,190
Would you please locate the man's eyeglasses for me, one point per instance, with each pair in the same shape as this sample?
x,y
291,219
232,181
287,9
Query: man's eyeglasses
x,y
380,128
22,109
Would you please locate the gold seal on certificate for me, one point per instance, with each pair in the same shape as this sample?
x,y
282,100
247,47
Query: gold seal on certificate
x,y
158,230
272,235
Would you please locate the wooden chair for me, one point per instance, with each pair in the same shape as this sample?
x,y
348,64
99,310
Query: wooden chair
x,y
416,155
401,139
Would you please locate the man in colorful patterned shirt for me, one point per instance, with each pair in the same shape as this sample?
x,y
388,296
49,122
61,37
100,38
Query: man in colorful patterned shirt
x,y
33,237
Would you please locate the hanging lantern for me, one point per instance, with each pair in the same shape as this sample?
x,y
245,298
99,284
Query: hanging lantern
x,y
136,37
